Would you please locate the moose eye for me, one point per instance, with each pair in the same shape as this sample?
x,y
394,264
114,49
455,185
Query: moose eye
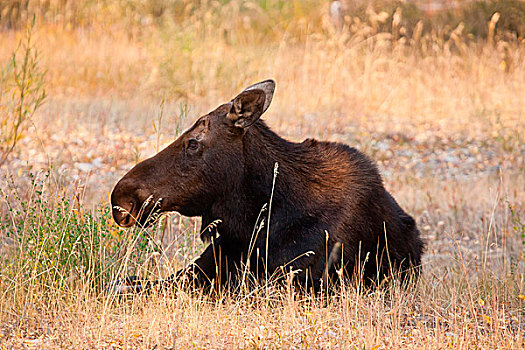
x,y
193,145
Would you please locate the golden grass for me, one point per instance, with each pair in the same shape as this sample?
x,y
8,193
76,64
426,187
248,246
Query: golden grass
x,y
368,79
470,295
105,85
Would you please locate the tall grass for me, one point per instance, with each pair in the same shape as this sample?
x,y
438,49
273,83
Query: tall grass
x,y
365,69
61,256
267,17
54,244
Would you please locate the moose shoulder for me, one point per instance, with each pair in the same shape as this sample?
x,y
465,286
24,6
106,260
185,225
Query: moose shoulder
x,y
328,198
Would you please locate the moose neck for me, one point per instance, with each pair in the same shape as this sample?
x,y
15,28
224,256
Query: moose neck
x,y
241,206
264,150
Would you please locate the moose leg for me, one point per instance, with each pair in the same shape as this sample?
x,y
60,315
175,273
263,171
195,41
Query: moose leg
x,y
216,266
212,268
307,272
306,257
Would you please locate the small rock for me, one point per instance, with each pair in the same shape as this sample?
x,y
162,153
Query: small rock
x,y
382,146
97,162
451,159
85,167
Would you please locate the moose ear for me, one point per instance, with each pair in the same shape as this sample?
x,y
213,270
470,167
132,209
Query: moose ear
x,y
250,104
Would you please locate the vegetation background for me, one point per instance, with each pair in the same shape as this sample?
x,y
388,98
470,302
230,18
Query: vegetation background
x,y
434,91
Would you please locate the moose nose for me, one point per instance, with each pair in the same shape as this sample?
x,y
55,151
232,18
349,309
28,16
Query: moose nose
x,y
123,213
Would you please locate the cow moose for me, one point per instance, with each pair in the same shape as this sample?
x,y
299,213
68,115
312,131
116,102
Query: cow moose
x,y
327,202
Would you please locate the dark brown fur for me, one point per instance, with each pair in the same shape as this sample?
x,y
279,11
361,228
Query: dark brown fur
x,y
223,168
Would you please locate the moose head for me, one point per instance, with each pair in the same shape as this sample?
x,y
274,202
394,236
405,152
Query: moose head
x,y
199,167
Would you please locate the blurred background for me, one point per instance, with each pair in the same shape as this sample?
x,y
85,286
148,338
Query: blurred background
x,y
408,70
422,71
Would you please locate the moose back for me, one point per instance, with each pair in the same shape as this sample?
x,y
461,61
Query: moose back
x,y
325,211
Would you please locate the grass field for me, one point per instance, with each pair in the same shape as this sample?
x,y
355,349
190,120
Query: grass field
x,y
441,112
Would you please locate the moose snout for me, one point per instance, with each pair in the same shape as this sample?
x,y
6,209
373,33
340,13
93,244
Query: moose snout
x,y
123,213
125,203
132,202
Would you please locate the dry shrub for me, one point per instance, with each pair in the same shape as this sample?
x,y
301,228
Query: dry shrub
x,y
21,93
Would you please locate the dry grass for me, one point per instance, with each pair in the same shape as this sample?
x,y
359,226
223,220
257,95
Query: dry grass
x,y
469,295
444,118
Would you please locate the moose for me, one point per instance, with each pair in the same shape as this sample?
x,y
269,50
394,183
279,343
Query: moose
x,y
317,208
